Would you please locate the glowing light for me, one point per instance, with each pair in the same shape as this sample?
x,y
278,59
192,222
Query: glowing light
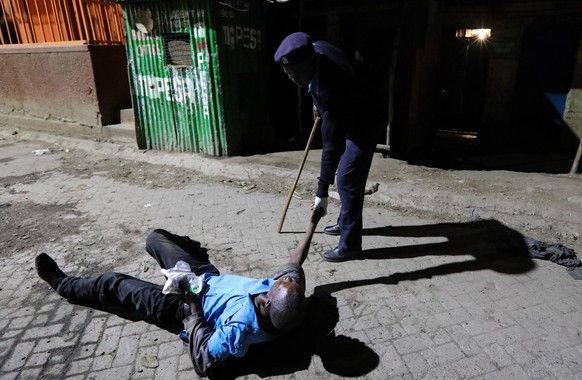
x,y
483,33
480,34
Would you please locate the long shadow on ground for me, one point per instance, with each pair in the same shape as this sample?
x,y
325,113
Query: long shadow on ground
x,y
493,246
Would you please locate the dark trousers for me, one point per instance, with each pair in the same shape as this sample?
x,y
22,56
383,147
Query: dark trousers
x,y
352,174
137,300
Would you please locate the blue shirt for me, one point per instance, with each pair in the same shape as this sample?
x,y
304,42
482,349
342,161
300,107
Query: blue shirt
x,y
230,320
228,307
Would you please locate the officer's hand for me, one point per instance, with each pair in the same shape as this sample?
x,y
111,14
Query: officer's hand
x,y
315,114
319,208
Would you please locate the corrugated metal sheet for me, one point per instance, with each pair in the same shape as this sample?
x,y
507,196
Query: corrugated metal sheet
x,y
179,101
243,72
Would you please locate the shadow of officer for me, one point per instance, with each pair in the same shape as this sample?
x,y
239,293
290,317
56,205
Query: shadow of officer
x,y
493,246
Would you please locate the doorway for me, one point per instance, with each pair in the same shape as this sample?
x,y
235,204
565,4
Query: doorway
x,y
461,81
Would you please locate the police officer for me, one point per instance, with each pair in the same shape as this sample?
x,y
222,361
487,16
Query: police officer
x,y
349,105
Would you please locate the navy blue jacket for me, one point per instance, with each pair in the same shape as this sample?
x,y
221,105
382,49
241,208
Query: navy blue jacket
x,y
349,105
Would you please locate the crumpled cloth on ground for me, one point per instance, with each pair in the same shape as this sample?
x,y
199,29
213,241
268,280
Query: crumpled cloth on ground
x,y
555,252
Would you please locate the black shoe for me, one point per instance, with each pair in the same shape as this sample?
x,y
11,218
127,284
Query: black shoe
x,y
333,230
48,270
336,256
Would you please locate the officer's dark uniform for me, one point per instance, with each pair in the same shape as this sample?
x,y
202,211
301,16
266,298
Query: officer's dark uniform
x,y
351,122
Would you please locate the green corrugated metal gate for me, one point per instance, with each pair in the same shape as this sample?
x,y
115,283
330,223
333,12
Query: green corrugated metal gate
x,y
197,72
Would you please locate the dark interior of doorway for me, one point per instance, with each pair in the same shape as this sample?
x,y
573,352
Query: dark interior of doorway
x,y
537,139
462,76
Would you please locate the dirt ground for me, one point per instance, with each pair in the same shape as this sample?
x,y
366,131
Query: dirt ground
x,y
541,205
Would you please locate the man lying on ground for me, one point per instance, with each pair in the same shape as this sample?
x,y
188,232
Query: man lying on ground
x,y
230,314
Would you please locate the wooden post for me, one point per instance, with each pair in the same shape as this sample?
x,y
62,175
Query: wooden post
x,y
577,159
307,147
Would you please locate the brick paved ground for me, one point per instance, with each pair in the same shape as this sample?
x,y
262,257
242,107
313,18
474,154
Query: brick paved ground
x,y
436,300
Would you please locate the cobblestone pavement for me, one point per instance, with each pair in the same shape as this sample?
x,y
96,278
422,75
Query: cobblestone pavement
x,y
433,300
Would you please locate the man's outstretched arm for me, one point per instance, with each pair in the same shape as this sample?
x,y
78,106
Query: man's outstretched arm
x,y
299,253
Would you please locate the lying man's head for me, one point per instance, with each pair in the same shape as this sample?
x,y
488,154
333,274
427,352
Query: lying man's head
x,y
283,306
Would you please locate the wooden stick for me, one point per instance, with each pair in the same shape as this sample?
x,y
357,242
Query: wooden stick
x,y
307,147
577,159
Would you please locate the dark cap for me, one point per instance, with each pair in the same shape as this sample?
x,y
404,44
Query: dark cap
x,y
294,48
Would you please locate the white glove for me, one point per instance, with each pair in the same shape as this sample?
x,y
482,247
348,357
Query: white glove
x,y
321,203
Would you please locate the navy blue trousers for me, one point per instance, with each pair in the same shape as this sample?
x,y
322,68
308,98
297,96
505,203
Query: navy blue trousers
x,y
352,174
138,300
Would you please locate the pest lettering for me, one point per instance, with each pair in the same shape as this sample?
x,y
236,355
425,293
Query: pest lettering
x,y
241,37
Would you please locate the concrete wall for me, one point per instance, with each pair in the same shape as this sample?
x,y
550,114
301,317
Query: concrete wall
x,y
74,83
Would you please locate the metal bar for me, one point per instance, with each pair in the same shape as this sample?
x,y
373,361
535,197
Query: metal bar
x,y
91,25
36,35
80,13
69,23
14,24
53,28
120,23
5,23
108,20
45,21
79,19
32,24
75,20
117,17
113,20
41,24
94,21
23,27
57,11
49,23
59,17
108,23
102,21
